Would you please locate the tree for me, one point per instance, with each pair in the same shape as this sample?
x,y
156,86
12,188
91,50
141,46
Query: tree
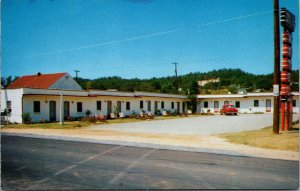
x,y
89,85
192,95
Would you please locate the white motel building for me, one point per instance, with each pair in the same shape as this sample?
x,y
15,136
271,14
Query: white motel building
x,y
45,96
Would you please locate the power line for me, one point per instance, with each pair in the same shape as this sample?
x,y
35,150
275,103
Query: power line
x,y
148,35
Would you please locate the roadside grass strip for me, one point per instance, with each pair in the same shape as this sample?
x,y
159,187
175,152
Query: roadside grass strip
x,y
265,138
83,124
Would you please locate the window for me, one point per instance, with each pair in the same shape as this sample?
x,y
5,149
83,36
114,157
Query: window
x,y
8,106
127,105
256,103
36,107
294,103
226,102
79,106
162,104
141,104
172,105
67,77
206,104
237,104
98,105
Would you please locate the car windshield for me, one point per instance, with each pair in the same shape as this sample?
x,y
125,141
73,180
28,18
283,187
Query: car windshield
x,y
229,106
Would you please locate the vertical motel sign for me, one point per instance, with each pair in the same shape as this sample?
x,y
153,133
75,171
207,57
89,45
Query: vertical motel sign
x,y
287,20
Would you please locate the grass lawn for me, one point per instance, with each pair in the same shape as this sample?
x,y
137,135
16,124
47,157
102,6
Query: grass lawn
x,y
265,138
82,124
55,125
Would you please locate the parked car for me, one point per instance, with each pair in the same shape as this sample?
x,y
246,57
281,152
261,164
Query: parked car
x,y
229,110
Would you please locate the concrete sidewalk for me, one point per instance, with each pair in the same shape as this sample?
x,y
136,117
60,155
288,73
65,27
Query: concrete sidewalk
x,y
194,143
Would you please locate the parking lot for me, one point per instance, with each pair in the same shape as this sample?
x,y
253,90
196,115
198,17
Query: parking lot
x,y
197,125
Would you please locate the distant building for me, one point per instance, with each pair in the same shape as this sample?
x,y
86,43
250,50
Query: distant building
x,y
203,82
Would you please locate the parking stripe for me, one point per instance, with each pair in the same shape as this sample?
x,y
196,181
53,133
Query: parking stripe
x,y
131,165
73,166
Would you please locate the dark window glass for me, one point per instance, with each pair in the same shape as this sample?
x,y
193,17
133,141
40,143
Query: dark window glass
x,y
127,105
8,104
206,104
294,103
36,106
172,105
162,105
237,104
79,106
98,105
141,104
256,103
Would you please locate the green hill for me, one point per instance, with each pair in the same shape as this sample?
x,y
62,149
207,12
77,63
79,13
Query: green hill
x,y
229,80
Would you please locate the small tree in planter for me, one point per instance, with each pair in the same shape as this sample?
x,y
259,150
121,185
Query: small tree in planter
x,y
88,112
26,118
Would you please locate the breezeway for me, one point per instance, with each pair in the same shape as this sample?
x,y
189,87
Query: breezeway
x,y
199,125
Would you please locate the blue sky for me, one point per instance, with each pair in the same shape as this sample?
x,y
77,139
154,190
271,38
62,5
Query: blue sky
x,y
139,38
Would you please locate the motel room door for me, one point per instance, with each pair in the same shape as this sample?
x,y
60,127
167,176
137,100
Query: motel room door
x,y
155,107
178,107
268,105
183,107
119,106
216,106
66,109
109,107
52,110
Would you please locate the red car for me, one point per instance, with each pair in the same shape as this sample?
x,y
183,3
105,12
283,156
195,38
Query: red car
x,y
229,110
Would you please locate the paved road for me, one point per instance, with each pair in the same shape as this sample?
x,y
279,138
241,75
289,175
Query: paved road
x,y
202,125
29,163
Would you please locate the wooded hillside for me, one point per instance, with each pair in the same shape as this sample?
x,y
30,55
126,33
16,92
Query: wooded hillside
x,y
229,80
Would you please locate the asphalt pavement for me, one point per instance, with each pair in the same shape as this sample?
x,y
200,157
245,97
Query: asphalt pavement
x,y
31,163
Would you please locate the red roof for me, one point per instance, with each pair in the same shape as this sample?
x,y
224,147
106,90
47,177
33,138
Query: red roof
x,y
42,81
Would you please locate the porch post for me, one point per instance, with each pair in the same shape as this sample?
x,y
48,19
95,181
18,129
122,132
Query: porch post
x,y
61,120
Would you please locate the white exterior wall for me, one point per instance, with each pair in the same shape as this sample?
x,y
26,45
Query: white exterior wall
x,y
167,104
91,104
66,84
15,96
246,104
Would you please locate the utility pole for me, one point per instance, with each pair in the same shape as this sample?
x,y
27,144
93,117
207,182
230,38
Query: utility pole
x,y
176,76
76,71
276,77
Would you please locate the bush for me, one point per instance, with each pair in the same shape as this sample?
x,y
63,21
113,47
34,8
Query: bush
x,y
26,118
88,112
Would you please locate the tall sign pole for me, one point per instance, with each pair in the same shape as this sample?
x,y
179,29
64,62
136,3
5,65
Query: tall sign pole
x,y
287,20
276,68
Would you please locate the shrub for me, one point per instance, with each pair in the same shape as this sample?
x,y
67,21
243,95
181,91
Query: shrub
x,y
43,121
88,112
70,118
26,118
